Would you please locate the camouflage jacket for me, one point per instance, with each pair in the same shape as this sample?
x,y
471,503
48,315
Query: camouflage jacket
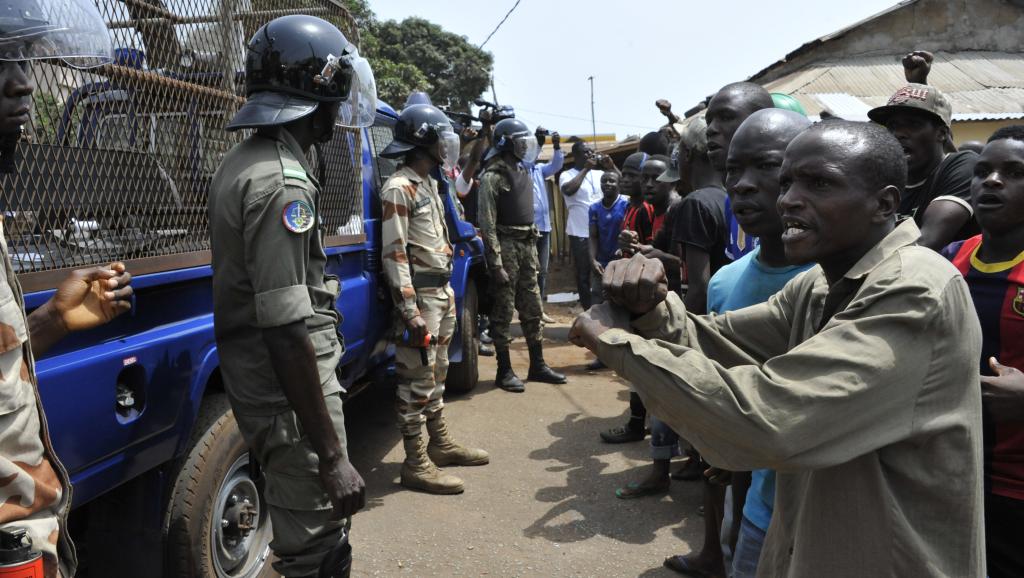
x,y
413,232
35,493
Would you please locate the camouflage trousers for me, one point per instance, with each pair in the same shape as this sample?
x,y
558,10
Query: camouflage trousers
x,y
299,508
421,386
519,259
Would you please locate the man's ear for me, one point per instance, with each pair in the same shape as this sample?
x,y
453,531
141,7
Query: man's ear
x,y
943,133
887,203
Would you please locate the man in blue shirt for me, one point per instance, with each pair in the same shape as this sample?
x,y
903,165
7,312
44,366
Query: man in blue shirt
x,y
606,218
752,179
541,208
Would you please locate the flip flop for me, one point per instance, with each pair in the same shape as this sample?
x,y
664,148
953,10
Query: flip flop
x,y
682,565
634,490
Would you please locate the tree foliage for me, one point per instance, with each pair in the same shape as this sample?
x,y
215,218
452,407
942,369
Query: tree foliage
x,y
416,54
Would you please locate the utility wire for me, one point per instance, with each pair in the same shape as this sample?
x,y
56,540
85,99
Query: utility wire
x,y
568,117
509,13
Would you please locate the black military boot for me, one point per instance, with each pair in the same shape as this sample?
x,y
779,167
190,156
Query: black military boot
x,y
506,378
539,371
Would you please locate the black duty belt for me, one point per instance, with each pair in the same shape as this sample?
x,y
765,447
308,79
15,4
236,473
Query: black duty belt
x,y
428,280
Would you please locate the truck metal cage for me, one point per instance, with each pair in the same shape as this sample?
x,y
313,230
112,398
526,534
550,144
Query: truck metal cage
x,y
116,162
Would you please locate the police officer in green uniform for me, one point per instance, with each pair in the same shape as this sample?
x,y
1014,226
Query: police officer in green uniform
x,y
274,307
506,223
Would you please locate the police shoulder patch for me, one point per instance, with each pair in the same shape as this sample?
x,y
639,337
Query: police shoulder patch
x,y
298,217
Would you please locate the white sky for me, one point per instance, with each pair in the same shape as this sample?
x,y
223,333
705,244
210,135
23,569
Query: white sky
x,y
637,51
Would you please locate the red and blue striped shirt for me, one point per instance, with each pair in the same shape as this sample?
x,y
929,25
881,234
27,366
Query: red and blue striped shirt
x,y
998,293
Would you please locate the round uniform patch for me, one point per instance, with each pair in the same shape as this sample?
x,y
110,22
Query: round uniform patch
x,y
298,217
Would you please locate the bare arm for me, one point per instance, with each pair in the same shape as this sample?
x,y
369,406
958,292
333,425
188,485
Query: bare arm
x,y
594,264
477,152
573,186
942,221
294,362
87,298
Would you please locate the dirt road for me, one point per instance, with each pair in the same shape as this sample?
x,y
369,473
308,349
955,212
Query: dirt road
x,y
545,506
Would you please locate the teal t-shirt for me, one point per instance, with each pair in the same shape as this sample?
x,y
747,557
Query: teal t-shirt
x,y
741,284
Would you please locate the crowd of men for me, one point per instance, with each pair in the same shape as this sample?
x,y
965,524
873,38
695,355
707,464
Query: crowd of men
x,y
824,320
818,308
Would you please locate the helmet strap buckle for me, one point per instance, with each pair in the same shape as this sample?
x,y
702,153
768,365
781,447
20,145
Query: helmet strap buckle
x,y
330,68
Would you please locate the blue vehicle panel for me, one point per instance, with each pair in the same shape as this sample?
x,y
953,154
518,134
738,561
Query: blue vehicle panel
x,y
122,400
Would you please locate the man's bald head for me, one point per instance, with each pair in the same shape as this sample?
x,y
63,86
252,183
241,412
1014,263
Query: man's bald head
x,y
876,157
728,108
750,93
772,125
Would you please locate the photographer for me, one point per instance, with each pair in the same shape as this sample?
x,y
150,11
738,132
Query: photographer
x,y
581,187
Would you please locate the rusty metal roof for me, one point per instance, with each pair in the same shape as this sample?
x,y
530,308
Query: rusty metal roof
x,y
979,85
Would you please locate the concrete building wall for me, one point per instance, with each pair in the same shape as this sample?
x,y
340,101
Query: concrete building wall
x,y
978,130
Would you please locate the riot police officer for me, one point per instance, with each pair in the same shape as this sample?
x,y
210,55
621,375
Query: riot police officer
x,y
417,261
506,222
274,316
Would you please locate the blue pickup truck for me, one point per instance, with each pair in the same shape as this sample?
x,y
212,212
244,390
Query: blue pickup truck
x,y
137,411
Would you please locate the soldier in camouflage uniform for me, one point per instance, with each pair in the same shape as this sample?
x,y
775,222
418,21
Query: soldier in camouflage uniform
x,y
507,225
35,495
417,260
274,310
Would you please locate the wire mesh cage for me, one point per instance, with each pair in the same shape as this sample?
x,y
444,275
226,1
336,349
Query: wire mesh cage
x,y
116,161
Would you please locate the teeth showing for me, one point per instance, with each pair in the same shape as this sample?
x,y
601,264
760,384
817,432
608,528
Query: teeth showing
x,y
793,228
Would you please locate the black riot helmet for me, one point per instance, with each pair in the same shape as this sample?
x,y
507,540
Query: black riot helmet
x,y
424,126
512,135
294,64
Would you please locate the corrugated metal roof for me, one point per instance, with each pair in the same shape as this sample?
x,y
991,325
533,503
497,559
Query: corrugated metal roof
x,y
983,85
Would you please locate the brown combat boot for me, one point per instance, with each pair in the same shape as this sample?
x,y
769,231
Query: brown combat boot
x,y
443,450
419,473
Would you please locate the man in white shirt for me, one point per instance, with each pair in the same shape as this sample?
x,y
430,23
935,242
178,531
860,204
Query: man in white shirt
x,y
581,187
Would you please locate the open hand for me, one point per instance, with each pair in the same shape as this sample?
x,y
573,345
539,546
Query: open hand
x,y
89,298
1004,392
345,488
597,267
590,324
637,283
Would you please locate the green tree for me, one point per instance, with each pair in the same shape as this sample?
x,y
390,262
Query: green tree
x,y
416,54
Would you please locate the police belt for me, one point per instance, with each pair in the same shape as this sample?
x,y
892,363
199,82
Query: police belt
x,y
430,280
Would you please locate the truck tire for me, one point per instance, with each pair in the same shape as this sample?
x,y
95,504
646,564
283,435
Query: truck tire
x,y
463,376
214,501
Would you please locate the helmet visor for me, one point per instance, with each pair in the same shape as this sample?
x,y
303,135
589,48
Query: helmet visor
x,y
71,30
525,148
360,108
448,143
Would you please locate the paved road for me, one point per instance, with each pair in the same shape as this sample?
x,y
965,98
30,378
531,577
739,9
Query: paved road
x,y
545,506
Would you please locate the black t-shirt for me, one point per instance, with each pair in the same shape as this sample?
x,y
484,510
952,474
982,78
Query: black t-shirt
x,y
701,223
952,178
665,242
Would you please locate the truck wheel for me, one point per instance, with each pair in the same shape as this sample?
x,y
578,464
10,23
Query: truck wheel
x,y
463,376
217,524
